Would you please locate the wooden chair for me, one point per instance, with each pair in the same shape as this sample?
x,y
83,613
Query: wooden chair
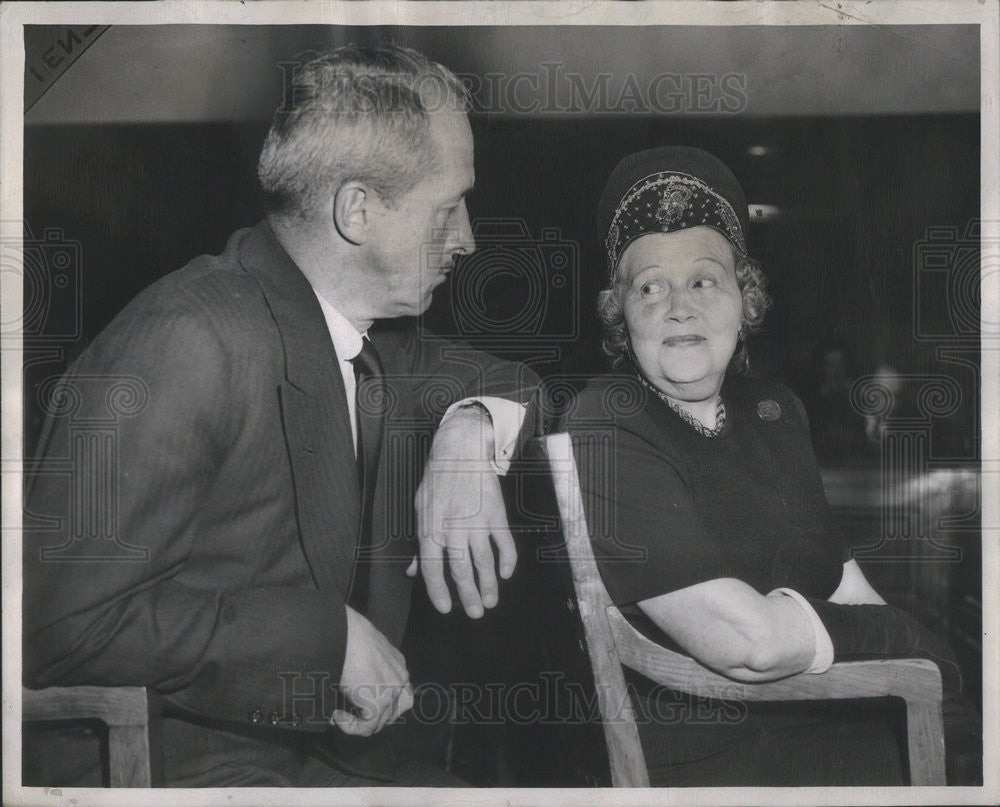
x,y
612,642
124,710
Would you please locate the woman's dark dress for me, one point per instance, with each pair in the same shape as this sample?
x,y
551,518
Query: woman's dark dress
x,y
668,508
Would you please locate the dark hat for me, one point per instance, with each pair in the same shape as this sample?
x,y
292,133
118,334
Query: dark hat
x,y
666,189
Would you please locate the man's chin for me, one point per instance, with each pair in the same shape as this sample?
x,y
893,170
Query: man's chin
x,y
417,309
428,295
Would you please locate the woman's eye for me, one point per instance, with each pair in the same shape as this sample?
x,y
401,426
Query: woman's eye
x,y
704,283
650,288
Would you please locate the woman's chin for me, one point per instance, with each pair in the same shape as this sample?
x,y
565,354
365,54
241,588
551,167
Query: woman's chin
x,y
691,378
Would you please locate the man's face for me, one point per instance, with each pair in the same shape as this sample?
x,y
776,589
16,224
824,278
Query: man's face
x,y
417,237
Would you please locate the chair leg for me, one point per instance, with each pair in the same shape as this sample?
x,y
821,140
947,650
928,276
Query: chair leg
x,y
925,735
128,749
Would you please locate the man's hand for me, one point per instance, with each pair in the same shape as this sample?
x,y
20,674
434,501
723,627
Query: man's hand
x,y
374,679
459,508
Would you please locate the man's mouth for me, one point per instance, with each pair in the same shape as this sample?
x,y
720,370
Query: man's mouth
x,y
683,340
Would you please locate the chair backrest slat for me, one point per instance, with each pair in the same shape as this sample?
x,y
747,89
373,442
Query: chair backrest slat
x,y
628,767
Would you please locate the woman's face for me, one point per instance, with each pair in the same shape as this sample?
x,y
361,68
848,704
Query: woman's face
x,y
682,308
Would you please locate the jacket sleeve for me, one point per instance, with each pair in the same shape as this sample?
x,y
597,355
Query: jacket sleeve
x,y
439,372
103,600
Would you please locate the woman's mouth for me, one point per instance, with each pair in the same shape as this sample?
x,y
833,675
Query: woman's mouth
x,y
683,340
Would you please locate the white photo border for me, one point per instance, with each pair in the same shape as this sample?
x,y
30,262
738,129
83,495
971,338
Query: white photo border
x,y
13,16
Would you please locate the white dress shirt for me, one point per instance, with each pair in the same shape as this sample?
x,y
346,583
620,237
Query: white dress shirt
x,y
507,416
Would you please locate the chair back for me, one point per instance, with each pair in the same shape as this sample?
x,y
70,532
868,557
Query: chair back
x,y
628,767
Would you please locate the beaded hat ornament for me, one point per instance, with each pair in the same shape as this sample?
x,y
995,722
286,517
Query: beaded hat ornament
x,y
666,189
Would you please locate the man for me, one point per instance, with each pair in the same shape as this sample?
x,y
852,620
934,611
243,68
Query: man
x,y
260,582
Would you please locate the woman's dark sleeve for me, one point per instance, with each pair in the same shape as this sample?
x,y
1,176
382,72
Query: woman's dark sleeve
x,y
860,632
647,537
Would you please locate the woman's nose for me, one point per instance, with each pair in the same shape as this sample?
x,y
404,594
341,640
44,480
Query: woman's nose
x,y
679,306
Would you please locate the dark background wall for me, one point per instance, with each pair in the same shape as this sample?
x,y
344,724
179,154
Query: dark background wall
x,y
857,197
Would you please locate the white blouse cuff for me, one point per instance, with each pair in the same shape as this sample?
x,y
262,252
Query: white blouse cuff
x,y
823,656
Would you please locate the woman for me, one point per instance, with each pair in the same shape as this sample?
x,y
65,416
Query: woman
x,y
706,508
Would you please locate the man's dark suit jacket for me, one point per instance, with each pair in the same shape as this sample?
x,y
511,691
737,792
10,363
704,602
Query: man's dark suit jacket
x,y
229,467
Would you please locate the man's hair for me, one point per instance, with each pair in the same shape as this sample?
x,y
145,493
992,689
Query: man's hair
x,y
355,114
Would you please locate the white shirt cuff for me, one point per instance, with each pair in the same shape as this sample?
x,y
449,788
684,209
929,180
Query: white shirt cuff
x,y
507,417
823,656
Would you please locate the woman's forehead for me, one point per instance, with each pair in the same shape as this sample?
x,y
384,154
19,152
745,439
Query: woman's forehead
x,y
678,247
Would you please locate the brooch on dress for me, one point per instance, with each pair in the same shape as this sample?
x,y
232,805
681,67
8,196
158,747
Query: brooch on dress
x,y
769,410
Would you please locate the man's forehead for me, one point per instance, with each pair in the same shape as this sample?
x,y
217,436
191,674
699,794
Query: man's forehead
x,y
453,135
452,128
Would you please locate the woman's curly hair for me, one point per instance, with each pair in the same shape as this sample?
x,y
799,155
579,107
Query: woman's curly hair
x,y
756,301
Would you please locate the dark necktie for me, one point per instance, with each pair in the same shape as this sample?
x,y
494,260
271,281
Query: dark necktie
x,y
370,410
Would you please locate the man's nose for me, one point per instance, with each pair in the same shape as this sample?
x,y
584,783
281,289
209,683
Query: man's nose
x,y
464,242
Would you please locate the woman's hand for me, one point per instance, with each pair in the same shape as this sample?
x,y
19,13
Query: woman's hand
x,y
854,588
735,630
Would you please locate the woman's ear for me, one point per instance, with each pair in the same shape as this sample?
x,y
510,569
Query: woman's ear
x,y
351,213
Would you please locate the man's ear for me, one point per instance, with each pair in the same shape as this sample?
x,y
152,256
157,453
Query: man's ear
x,y
351,211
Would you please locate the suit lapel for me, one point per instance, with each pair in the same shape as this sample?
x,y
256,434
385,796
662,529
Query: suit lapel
x,y
314,414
